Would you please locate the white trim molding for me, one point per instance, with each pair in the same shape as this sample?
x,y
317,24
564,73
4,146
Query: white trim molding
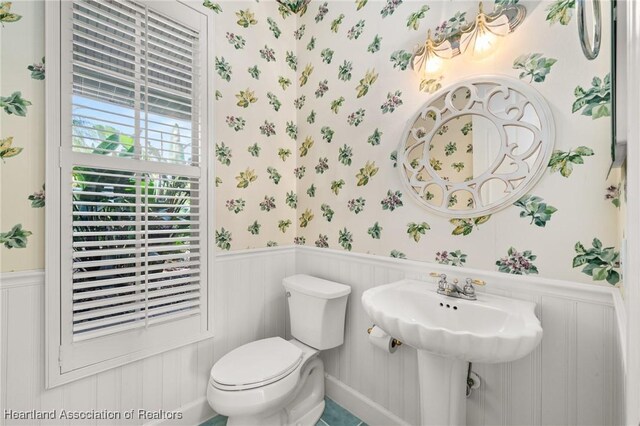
x,y
632,268
170,319
518,283
263,251
359,405
573,377
496,281
21,279
193,414
574,374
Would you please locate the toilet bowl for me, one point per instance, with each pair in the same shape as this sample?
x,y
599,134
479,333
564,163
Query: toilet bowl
x,y
273,395
275,382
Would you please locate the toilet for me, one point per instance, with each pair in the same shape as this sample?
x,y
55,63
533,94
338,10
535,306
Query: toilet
x,y
275,382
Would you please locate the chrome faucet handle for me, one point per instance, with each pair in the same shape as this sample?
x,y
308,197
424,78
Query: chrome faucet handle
x,y
442,282
468,289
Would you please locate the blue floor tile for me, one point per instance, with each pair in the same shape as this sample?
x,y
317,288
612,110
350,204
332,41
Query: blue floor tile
x,y
216,421
333,415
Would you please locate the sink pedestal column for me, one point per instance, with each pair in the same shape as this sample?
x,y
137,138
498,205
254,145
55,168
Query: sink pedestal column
x,y
442,390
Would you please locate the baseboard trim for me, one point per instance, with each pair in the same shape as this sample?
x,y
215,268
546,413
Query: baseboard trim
x,y
359,405
193,414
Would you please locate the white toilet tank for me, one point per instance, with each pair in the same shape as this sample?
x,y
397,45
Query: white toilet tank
x,y
317,308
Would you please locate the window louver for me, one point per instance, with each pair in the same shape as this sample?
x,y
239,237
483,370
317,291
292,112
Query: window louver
x,y
135,180
133,76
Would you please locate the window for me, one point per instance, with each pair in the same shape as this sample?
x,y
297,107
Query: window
x,y
127,250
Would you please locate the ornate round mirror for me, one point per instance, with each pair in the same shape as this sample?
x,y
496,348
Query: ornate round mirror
x,y
476,146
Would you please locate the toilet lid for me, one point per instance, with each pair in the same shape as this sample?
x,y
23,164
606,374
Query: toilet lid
x,y
257,363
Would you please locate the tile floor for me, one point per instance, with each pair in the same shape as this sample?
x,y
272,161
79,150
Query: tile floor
x,y
333,415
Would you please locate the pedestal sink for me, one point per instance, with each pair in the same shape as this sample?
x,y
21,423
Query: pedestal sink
x,y
448,334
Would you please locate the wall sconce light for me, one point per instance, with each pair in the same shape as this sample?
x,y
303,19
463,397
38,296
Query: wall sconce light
x,y
479,38
428,59
483,35
295,6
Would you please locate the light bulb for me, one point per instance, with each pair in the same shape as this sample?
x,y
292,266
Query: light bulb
x,y
483,37
485,43
432,64
428,59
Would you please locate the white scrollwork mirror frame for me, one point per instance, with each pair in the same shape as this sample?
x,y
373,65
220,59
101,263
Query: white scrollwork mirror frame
x,y
527,175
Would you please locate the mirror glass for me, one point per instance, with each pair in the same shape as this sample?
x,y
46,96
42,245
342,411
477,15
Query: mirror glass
x,y
476,146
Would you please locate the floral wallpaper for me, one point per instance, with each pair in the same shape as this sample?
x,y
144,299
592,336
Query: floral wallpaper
x,y
309,111
255,128
255,124
21,135
451,156
362,92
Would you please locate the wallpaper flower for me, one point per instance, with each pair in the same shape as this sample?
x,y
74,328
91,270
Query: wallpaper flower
x,y
309,111
363,90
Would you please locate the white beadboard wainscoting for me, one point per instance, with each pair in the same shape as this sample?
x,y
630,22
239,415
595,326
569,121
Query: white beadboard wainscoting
x,y
249,305
574,377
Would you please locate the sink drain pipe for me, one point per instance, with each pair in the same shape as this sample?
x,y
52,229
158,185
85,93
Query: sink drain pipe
x,y
473,381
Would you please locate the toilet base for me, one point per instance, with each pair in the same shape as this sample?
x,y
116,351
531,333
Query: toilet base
x,y
312,417
305,408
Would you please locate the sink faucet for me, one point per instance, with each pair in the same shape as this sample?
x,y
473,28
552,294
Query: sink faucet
x,y
452,289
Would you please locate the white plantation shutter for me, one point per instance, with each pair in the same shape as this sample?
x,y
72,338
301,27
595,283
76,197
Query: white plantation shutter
x,y
136,250
133,179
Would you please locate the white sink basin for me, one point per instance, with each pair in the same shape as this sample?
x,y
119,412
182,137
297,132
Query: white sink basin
x,y
449,333
491,329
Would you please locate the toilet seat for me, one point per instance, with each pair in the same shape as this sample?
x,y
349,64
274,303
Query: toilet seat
x,y
256,364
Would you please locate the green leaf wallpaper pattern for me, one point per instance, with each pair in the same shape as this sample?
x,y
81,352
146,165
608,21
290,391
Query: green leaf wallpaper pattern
x,y
613,194
37,198
390,7
322,11
14,104
6,15
563,161
246,18
413,21
560,11
238,42
518,263
534,66
7,150
595,101
212,5
15,238
37,70
453,258
600,263
352,91
535,208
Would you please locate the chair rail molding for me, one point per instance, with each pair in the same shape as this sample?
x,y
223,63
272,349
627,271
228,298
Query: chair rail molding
x,y
575,375
497,282
21,278
249,304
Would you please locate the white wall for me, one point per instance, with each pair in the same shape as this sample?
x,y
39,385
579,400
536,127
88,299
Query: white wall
x,y
630,10
574,377
249,305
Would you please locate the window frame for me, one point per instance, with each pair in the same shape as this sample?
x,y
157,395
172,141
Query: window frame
x,y
57,50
